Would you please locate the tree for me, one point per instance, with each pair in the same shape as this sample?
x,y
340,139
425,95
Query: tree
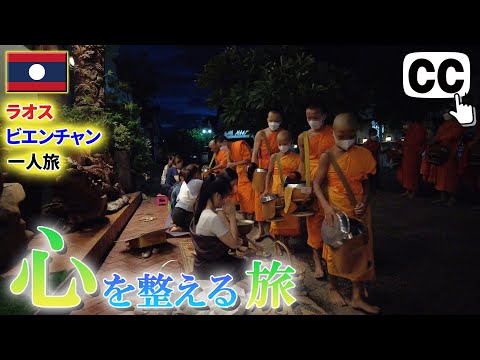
x,y
88,73
244,83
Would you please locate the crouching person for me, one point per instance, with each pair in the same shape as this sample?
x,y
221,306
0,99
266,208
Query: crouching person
x,y
214,231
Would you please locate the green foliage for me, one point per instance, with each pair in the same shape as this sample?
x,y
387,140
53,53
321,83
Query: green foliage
x,y
124,126
193,142
244,83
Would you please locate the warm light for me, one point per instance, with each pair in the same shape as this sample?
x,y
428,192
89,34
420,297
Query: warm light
x,y
365,140
72,62
388,138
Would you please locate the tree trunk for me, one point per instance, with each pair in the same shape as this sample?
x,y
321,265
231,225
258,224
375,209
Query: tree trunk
x,y
88,75
121,161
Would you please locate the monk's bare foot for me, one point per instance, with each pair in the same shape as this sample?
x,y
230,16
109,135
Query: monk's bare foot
x,y
336,298
359,304
411,195
405,193
319,273
438,201
176,229
365,292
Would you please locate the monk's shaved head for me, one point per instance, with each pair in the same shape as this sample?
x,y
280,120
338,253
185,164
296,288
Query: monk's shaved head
x,y
345,121
283,136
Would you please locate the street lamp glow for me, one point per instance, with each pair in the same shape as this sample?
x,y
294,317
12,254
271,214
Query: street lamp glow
x,y
388,138
295,146
209,131
365,140
204,131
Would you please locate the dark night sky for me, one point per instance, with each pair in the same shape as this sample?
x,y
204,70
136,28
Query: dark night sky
x,y
182,104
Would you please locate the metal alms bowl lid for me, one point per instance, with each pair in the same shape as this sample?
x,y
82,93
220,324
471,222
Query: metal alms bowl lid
x,y
268,198
297,186
259,170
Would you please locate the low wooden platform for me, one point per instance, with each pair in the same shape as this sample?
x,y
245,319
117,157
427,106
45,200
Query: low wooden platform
x,y
89,245
137,226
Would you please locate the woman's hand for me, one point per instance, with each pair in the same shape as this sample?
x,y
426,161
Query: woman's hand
x,y
329,216
360,209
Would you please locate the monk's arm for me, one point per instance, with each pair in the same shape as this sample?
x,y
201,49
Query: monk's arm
x,y
218,168
256,147
319,179
271,167
301,167
246,155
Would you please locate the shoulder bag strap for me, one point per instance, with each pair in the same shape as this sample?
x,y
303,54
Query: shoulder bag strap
x,y
306,148
344,181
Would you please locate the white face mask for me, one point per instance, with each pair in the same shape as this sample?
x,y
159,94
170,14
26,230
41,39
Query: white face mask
x,y
273,125
284,148
344,144
315,124
224,148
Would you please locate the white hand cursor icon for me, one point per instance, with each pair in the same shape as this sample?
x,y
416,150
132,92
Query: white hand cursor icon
x,y
465,114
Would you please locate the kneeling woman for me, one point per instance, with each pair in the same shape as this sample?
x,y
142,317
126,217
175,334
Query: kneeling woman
x,y
182,214
214,231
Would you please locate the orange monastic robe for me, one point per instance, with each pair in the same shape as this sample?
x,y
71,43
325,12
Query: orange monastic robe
x,y
408,174
241,151
445,177
356,164
291,226
318,144
471,175
263,162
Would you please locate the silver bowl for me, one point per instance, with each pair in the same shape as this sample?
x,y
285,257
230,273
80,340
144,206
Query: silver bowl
x,y
269,197
339,232
245,226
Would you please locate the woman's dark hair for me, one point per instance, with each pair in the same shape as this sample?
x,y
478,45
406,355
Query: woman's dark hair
x,y
211,185
189,172
230,174
372,131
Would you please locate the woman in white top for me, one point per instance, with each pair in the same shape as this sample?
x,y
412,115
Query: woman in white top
x,y
182,214
214,231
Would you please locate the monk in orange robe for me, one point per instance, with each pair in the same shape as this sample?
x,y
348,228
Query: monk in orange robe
x,y
408,174
445,176
354,259
264,146
219,156
470,173
238,157
289,162
320,139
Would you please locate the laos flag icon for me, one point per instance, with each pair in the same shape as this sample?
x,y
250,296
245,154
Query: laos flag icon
x,y
36,72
